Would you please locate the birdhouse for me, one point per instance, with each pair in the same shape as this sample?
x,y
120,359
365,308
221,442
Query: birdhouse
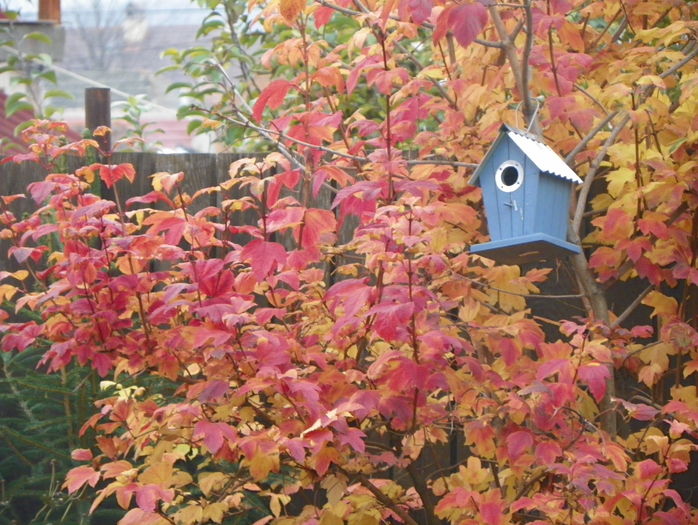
x,y
526,192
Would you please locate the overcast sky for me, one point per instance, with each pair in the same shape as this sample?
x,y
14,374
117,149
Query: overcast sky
x,y
157,9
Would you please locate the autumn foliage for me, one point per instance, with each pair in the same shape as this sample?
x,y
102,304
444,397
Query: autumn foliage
x,y
272,373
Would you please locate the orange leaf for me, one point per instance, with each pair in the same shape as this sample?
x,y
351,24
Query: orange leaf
x,y
290,9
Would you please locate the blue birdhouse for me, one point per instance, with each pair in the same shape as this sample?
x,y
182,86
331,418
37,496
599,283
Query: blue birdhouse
x,y
526,191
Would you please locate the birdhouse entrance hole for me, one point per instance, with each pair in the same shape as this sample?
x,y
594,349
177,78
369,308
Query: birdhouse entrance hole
x,y
509,176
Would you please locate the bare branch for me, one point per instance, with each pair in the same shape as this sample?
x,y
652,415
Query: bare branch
x,y
487,43
385,500
673,69
531,119
591,175
631,307
442,163
569,159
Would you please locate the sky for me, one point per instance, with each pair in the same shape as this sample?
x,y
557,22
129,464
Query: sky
x,y
159,12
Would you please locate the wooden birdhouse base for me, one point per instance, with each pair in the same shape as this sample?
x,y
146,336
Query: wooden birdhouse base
x,y
526,248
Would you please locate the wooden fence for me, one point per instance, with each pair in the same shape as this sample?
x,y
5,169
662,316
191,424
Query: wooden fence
x,y
201,170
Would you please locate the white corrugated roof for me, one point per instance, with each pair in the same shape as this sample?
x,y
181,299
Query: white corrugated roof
x,y
542,155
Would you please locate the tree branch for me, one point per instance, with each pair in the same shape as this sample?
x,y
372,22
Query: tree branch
x,y
569,159
385,500
591,174
631,307
529,112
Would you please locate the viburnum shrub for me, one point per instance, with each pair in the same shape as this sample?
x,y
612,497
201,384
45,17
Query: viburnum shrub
x,y
300,375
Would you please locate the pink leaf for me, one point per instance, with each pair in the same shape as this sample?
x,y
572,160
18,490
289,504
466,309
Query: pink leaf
x,y
213,433
78,476
140,517
264,257
595,375
518,442
418,10
547,452
81,454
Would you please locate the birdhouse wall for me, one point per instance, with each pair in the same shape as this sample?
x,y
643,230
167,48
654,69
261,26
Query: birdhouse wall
x,y
552,211
509,214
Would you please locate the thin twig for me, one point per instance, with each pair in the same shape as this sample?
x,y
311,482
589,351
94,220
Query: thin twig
x,y
591,97
442,163
631,307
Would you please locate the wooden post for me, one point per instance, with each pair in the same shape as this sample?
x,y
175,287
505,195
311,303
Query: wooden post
x,y
98,113
50,11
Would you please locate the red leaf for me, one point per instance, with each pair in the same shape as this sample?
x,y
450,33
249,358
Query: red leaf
x,y
273,96
492,512
22,253
78,476
350,294
112,173
264,257
639,411
323,15
418,10
317,224
465,22
518,442
285,218
150,198
214,434
548,452
214,391
595,375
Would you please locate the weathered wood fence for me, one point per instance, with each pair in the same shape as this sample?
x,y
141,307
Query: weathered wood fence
x,y
201,170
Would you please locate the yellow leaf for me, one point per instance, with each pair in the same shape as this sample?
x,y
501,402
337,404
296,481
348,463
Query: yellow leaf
x,y
617,179
662,304
262,463
653,80
210,482
157,474
335,487
290,9
276,503
330,519
215,512
20,275
7,291
189,515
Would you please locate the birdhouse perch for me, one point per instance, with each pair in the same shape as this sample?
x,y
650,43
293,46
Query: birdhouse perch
x,y
526,192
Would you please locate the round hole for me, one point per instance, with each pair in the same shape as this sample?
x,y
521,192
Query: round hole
x,y
509,176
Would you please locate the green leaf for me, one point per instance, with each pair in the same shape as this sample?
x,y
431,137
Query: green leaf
x,y
58,93
193,126
39,37
15,103
178,85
